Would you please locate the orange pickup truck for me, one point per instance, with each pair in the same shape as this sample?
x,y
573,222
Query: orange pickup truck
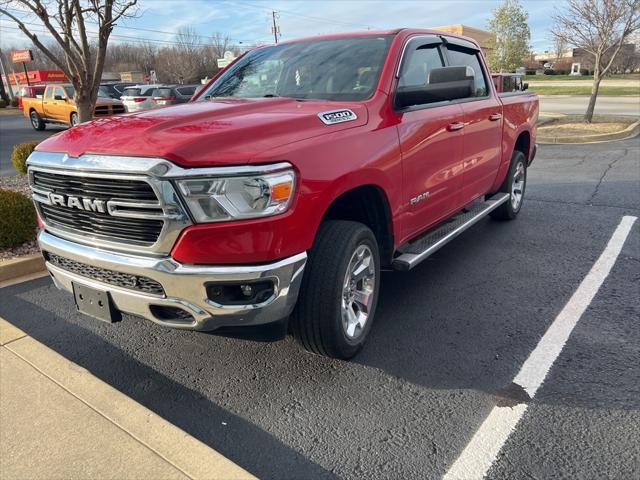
x,y
57,106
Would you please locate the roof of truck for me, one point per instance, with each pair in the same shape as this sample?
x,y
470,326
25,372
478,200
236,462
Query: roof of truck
x,y
377,33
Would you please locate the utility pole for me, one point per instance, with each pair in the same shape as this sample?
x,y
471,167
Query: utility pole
x,y
4,73
276,28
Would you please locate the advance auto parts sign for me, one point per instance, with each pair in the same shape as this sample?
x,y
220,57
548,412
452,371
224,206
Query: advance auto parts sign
x,y
21,56
337,116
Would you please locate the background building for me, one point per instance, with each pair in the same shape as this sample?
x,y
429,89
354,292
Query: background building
x,y
485,38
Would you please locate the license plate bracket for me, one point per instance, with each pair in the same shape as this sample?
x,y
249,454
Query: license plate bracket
x,y
95,303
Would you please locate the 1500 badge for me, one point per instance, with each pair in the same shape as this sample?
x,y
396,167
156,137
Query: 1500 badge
x,y
337,116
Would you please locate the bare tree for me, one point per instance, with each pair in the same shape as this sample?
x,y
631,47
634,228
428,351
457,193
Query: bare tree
x,y
559,46
84,52
600,28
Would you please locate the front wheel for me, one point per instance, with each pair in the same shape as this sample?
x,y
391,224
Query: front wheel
x,y
74,119
339,290
36,121
514,185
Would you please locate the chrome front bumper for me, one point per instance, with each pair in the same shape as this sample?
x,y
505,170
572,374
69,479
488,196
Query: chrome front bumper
x,y
184,285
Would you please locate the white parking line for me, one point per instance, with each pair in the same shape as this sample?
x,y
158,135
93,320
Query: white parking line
x,y
478,456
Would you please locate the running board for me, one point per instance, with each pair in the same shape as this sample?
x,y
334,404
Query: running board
x,y
421,248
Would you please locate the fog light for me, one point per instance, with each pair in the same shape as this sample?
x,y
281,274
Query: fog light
x,y
241,293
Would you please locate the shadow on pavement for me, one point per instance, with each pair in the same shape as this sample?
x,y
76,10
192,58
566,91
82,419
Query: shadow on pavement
x,y
237,439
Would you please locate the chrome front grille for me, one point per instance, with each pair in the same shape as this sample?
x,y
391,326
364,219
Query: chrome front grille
x,y
102,188
117,216
132,230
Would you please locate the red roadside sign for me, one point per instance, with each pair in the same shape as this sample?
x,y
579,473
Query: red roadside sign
x,y
21,56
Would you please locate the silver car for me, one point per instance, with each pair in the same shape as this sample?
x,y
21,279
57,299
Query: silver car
x,y
138,97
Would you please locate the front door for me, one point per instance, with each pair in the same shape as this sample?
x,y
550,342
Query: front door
x,y
431,142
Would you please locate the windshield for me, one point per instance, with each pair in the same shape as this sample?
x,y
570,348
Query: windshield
x,y
337,69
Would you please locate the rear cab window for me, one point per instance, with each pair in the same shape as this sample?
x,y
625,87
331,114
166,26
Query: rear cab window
x,y
464,57
137,92
162,92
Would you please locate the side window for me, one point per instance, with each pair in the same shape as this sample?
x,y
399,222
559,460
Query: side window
x,y
509,84
460,56
59,91
49,93
417,65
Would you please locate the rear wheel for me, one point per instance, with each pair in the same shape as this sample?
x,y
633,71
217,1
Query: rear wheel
x,y
514,185
339,290
36,121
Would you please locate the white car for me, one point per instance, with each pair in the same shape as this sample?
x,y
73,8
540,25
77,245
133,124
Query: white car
x,y
138,97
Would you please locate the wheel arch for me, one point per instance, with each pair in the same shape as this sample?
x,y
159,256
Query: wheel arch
x,y
523,144
367,204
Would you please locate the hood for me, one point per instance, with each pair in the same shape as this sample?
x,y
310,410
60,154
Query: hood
x,y
207,133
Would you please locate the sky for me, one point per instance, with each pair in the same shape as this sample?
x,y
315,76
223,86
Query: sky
x,y
250,22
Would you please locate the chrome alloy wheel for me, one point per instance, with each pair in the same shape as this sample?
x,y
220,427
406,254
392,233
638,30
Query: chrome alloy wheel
x,y
357,291
34,119
517,186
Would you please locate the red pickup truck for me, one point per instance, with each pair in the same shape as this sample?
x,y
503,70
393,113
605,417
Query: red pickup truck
x,y
285,186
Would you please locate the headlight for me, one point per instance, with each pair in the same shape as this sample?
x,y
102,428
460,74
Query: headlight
x,y
233,198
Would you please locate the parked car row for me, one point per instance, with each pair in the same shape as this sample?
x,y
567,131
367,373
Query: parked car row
x,y
54,103
145,97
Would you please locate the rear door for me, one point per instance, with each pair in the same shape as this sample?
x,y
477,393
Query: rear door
x,y
431,143
482,148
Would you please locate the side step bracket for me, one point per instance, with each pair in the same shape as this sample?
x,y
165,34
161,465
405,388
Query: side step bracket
x,y
422,247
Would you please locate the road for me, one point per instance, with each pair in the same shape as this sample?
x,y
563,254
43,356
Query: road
x,y
577,104
16,129
449,338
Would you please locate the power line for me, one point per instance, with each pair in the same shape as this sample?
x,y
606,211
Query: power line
x,y
126,38
308,17
151,30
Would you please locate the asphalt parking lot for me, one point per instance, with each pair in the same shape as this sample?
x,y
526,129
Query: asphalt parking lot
x,y
449,338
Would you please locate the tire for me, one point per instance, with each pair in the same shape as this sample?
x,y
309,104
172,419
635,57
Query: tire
x,y
321,322
514,184
36,121
74,119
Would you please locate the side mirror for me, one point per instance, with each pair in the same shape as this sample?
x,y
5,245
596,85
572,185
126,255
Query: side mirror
x,y
58,97
443,84
525,86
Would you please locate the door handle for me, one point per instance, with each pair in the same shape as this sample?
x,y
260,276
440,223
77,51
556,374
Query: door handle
x,y
495,116
452,127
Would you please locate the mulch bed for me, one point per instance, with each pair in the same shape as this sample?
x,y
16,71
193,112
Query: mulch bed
x,y
17,183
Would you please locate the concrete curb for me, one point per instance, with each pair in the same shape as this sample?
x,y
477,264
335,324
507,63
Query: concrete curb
x,y
21,266
631,131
